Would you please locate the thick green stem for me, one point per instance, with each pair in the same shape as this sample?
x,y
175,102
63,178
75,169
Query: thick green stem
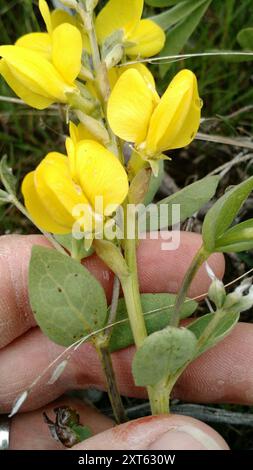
x,y
101,345
159,398
197,261
158,395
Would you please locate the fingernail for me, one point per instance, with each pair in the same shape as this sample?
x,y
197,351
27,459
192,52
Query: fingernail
x,y
185,437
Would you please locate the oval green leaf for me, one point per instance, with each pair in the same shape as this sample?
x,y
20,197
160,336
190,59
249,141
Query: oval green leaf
x,y
190,199
157,309
162,354
67,301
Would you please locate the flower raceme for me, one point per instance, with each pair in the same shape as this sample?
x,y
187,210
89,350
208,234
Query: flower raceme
x,y
41,68
136,113
140,37
63,190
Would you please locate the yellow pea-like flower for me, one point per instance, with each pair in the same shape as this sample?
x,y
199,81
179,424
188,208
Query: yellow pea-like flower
x,y
42,42
140,37
155,126
41,68
116,72
61,184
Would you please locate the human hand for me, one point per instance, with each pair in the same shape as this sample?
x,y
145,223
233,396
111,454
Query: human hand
x,y
220,375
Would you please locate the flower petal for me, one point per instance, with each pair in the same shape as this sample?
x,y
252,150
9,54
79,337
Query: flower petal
x,y
149,39
32,99
46,15
116,72
39,42
67,51
118,15
35,72
36,208
56,189
176,119
130,107
101,174
79,132
71,151
59,17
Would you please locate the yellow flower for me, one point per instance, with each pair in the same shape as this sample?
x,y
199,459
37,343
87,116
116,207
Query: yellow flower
x,y
54,191
41,67
140,37
42,42
116,72
155,126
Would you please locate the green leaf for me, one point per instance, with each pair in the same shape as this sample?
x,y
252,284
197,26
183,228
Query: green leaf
x,y
66,242
4,197
225,326
238,238
178,36
67,301
157,309
178,13
223,212
162,354
245,38
164,3
7,177
190,199
82,432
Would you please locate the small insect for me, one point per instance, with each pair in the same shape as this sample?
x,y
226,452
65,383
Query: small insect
x,y
67,428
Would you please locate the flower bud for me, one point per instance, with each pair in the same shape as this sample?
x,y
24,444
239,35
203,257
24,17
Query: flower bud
x,y
114,56
217,293
70,3
239,302
94,127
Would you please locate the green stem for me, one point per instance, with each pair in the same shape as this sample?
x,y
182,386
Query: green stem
x,y
197,261
101,344
130,286
159,398
158,395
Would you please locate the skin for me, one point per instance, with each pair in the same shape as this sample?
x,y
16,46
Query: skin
x,y
222,374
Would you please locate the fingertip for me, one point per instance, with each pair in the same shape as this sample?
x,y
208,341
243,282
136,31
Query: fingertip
x,y
172,432
163,270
